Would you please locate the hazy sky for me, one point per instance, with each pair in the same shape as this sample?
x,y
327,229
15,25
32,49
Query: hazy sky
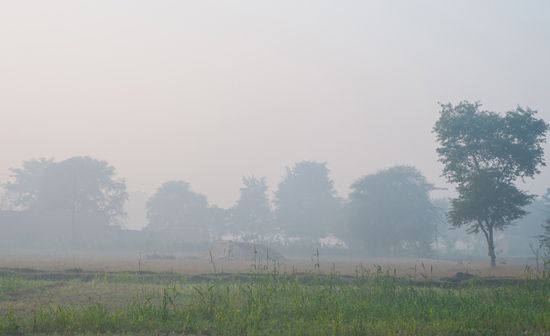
x,y
208,91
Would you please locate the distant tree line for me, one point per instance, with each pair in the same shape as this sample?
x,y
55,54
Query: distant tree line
x,y
389,212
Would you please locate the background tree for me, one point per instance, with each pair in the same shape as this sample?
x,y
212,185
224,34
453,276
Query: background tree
x,y
545,236
86,185
541,250
391,212
521,237
252,213
175,206
28,181
484,153
219,220
82,185
306,202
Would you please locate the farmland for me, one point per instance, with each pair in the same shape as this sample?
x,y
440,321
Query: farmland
x,y
296,297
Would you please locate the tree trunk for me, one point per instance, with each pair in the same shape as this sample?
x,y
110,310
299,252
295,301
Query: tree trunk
x,y
491,246
488,232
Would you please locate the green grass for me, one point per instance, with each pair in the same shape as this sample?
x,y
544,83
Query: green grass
x,y
296,305
11,283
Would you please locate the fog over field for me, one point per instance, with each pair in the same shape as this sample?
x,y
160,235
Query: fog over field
x,y
270,122
289,167
211,91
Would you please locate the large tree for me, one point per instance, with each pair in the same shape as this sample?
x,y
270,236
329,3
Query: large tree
x,y
306,202
176,206
391,212
484,153
252,213
80,185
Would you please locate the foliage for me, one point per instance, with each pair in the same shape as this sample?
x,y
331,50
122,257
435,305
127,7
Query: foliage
x,y
486,200
473,140
219,219
176,205
24,192
306,202
84,185
545,236
485,153
391,212
252,212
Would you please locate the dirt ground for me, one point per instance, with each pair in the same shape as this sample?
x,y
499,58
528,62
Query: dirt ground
x,y
201,264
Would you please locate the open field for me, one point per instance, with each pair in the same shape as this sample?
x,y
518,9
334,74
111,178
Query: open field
x,y
201,264
188,298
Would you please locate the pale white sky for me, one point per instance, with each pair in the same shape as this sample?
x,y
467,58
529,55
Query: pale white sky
x,y
208,91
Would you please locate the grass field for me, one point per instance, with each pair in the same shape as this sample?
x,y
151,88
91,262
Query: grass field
x,y
372,300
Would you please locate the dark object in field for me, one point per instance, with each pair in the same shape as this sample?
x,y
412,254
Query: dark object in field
x,y
459,277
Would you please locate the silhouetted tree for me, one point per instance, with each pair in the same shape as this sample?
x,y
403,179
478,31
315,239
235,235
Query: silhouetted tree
x,y
545,237
252,212
175,206
484,153
81,185
391,212
28,182
219,221
306,202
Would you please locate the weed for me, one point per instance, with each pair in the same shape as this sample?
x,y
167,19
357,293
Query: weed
x,y
375,301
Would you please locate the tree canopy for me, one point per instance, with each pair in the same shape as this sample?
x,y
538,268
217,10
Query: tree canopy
x,y
252,212
24,191
306,202
79,184
391,212
474,140
174,206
